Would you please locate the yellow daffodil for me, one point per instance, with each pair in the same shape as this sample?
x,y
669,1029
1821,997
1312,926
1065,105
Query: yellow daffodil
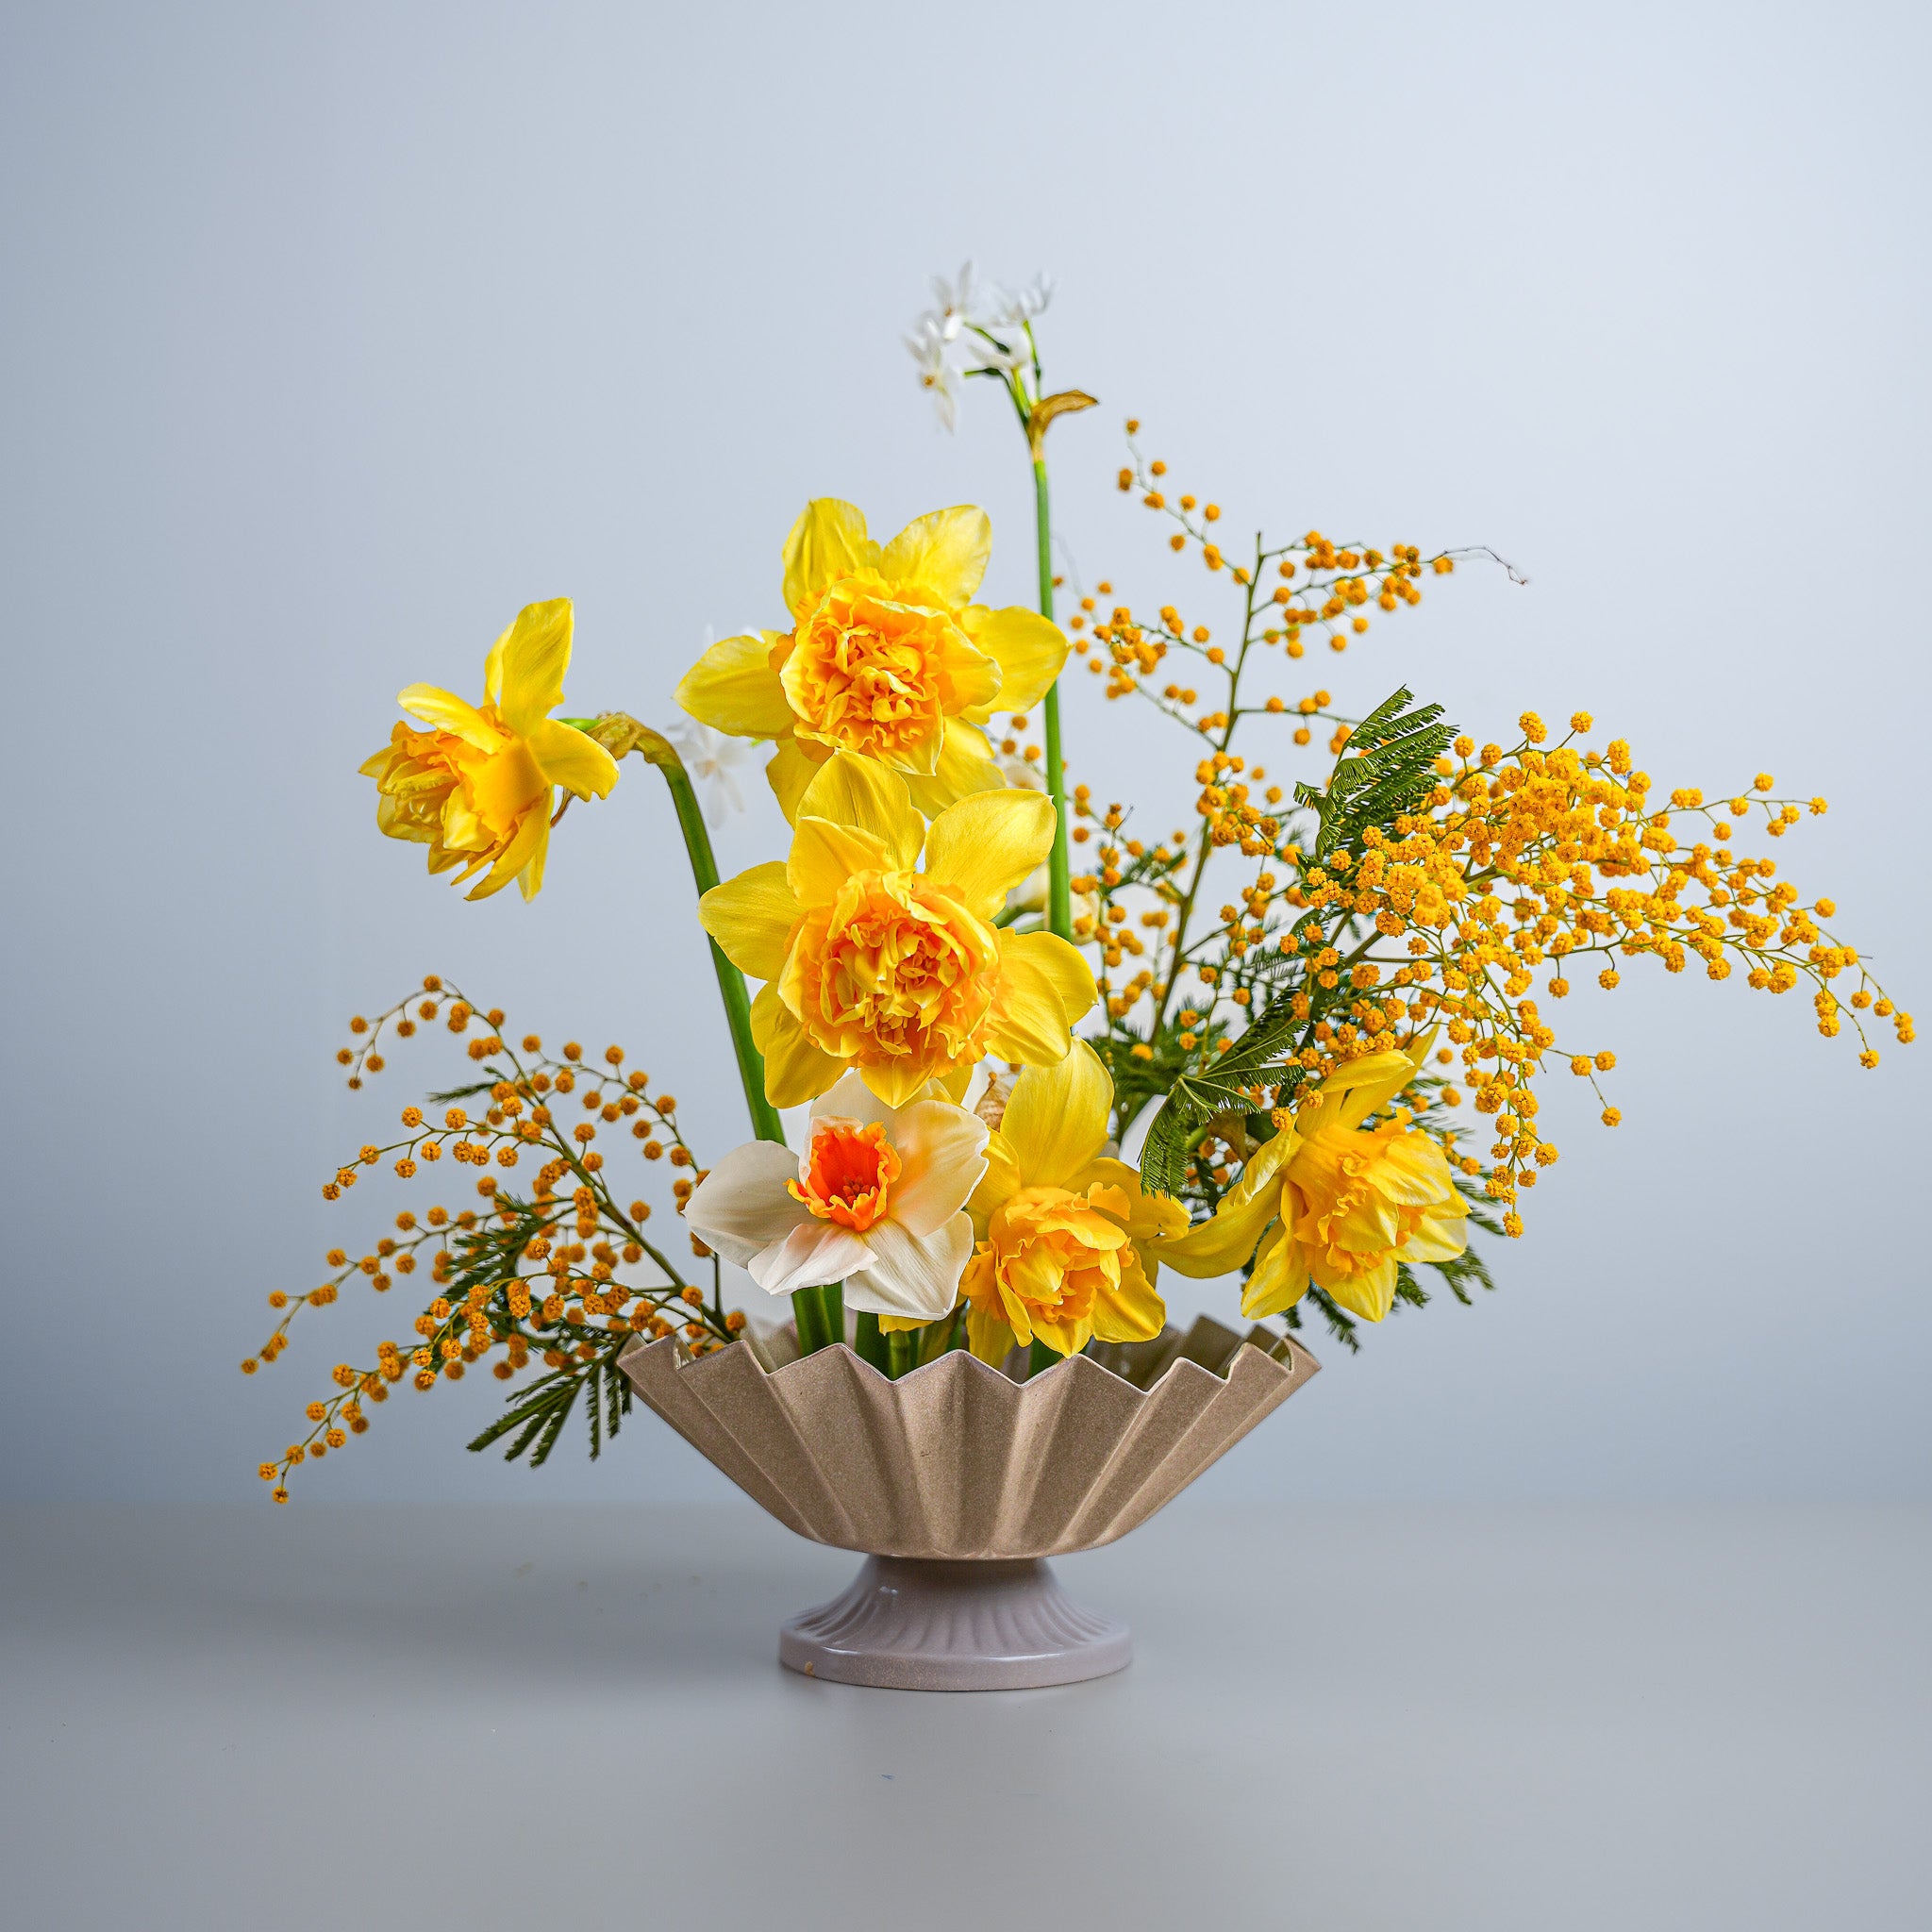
x,y
874,964
1063,1253
477,786
887,657
1334,1203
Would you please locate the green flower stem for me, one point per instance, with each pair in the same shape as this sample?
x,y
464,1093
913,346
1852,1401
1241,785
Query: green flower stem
x,y
1060,897
1040,1359
819,1313
902,1351
869,1344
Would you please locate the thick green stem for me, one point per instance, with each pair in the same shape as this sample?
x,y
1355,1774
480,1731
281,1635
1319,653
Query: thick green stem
x,y
819,1313
902,1351
1038,1360
1059,898
869,1344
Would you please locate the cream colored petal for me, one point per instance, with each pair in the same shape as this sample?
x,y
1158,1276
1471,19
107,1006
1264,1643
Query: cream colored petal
x,y
448,712
943,1150
531,664
864,794
733,689
1071,976
1055,1121
793,766
572,759
966,765
944,553
1029,649
909,1274
826,542
824,856
814,1253
751,917
795,1070
986,844
850,1099
742,1207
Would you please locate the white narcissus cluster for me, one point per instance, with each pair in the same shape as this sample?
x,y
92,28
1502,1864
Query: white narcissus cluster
x,y
877,1201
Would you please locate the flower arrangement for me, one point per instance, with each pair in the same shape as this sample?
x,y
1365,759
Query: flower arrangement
x,y
985,986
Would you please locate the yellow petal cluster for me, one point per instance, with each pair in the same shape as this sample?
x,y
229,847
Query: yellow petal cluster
x,y
875,963
887,658
1062,1252
476,786
1333,1202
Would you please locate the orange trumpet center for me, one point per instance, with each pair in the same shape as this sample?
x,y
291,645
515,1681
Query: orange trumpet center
x,y
849,1175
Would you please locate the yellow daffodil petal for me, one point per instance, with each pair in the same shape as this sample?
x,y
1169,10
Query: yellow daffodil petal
x,y
824,856
1364,1085
871,798
1220,1245
1071,976
1371,1295
751,918
986,844
989,1338
1132,1311
966,766
1029,648
531,662
1055,1121
1280,1278
999,1183
733,689
574,759
793,766
1148,1215
523,855
1264,1166
1028,1024
944,551
826,542
795,1070
448,712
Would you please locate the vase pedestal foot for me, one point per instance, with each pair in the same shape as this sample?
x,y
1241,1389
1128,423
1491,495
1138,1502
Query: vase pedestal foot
x,y
913,1625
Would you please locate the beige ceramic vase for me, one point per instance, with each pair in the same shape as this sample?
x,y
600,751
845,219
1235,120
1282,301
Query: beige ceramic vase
x,y
957,1482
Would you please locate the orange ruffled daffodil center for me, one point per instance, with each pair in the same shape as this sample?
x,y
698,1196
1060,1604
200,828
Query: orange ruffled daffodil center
x,y
887,658
849,1175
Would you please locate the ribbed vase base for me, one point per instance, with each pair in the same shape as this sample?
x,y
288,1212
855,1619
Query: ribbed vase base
x,y
908,1624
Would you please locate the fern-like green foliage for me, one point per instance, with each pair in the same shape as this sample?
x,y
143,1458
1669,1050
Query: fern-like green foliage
x,y
1388,769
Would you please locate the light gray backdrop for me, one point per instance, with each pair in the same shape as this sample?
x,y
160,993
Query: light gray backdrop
x,y
334,334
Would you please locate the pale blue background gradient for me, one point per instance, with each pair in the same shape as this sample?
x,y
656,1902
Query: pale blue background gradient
x,y
334,334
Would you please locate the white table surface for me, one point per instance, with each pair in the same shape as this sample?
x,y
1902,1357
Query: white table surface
x,y
1555,1718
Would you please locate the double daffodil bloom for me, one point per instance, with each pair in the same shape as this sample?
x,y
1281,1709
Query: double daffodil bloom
x,y
874,964
1334,1203
1063,1251
887,658
477,786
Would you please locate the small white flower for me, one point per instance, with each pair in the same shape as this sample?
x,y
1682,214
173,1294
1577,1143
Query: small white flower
x,y
1018,307
712,762
937,376
954,301
1008,359
877,1201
